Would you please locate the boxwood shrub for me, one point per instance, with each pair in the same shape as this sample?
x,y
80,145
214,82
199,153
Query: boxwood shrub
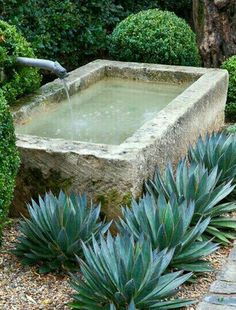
x,y
9,159
154,36
18,80
230,110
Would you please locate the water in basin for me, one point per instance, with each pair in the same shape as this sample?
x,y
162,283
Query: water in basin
x,y
107,112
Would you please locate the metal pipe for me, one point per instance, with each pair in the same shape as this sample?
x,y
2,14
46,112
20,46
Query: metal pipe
x,y
50,65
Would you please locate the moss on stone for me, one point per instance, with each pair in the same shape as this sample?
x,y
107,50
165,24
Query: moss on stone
x,y
112,201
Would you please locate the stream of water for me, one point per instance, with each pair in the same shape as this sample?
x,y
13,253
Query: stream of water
x,y
66,88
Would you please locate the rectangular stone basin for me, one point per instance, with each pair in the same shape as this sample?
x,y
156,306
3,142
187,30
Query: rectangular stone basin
x,y
124,119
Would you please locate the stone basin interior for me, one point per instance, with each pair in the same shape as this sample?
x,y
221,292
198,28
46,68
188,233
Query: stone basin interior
x,y
107,112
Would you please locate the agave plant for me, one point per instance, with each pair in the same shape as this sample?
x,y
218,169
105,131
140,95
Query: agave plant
x,y
167,225
217,149
195,183
122,274
52,236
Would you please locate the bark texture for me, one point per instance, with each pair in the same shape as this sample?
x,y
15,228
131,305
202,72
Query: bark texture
x,y
215,25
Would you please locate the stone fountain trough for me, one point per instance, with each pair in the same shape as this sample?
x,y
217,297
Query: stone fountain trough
x,y
114,171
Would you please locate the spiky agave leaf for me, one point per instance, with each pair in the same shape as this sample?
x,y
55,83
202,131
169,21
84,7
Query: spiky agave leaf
x,y
217,149
195,183
119,273
52,235
167,225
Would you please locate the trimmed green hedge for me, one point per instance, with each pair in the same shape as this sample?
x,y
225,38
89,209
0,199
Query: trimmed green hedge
x,y
230,110
9,160
18,80
154,36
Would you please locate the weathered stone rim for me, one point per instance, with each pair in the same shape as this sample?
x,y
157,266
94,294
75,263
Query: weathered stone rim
x,y
78,79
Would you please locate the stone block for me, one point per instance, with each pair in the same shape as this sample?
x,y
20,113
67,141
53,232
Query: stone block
x,y
228,274
223,287
207,306
232,255
221,300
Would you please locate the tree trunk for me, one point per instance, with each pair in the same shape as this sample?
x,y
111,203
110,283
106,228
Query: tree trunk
x,y
215,25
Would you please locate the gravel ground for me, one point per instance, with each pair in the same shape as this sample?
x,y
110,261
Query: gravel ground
x,y
23,288
197,290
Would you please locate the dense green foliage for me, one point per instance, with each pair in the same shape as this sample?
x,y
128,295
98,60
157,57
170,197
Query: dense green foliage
x,y
71,32
154,36
9,160
75,32
230,109
134,6
167,225
195,183
52,235
119,274
181,8
18,80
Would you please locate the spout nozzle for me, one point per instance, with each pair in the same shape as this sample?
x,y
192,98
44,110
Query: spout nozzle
x,y
52,66
65,75
60,71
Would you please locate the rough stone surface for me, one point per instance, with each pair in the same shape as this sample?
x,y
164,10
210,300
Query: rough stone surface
x,y
222,295
221,300
223,287
111,173
207,306
232,255
228,273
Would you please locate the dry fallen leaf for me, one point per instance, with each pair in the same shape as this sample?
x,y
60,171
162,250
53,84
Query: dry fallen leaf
x,y
31,299
46,301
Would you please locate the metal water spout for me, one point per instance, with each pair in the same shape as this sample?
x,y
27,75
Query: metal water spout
x,y
50,65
